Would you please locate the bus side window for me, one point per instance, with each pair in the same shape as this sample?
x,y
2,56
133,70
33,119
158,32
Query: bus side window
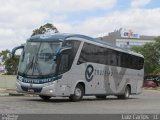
x,y
64,64
75,46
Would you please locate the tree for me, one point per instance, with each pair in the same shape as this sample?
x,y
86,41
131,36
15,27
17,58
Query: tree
x,y
47,28
151,53
10,63
157,55
3,54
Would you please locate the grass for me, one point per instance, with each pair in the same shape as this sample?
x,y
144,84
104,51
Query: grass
x,y
152,88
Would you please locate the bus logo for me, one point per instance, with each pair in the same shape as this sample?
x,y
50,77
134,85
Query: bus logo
x,y
89,73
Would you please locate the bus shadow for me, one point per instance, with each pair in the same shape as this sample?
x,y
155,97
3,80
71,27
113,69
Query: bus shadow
x,y
67,100
109,99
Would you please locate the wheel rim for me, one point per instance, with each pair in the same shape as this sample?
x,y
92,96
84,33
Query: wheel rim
x,y
78,92
127,93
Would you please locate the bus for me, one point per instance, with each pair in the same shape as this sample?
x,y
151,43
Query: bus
x,y
74,65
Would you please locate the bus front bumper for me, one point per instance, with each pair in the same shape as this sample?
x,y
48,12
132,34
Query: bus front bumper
x,y
39,89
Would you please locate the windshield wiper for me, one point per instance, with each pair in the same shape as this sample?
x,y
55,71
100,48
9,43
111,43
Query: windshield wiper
x,y
36,66
30,65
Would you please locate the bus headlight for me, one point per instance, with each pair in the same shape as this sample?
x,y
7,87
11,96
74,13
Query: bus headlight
x,y
51,91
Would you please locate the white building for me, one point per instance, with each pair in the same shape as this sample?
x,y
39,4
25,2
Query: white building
x,y
126,38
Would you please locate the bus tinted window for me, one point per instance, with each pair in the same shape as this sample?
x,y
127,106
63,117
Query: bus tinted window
x,y
66,59
72,43
75,46
101,55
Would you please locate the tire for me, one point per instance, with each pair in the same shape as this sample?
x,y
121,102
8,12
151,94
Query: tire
x,y
78,93
126,94
46,98
101,96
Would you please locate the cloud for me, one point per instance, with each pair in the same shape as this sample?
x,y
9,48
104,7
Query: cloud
x,y
6,32
20,17
19,6
144,22
86,5
139,3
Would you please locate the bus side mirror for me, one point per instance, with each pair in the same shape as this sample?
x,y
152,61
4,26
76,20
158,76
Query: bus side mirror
x,y
60,51
15,49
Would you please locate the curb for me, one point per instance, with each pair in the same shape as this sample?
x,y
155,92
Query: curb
x,y
9,92
4,94
16,94
156,91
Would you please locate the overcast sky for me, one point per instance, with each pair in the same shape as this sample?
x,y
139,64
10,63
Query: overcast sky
x,y
18,18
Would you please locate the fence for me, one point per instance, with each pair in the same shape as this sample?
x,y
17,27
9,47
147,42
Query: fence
x,y
8,81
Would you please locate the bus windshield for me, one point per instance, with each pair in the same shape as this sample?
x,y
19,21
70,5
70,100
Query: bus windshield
x,y
37,59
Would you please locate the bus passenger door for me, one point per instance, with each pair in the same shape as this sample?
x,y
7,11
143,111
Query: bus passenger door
x,y
63,67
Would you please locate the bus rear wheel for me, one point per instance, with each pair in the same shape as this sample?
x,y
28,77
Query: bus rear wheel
x,y
44,97
78,93
126,94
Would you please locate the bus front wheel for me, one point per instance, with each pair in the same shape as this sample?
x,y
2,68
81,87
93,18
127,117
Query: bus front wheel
x,y
78,93
44,97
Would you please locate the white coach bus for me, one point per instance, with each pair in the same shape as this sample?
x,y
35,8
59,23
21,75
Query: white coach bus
x,y
74,66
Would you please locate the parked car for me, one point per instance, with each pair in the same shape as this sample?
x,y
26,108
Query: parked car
x,y
151,81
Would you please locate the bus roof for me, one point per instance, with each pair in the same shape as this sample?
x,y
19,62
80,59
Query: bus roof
x,y
59,37
55,37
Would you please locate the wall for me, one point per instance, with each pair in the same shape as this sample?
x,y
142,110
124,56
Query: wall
x,y
8,81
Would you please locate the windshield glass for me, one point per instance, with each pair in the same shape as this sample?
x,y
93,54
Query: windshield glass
x,y
37,59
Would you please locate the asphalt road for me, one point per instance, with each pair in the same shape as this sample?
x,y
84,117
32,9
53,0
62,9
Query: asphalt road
x,y
147,102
